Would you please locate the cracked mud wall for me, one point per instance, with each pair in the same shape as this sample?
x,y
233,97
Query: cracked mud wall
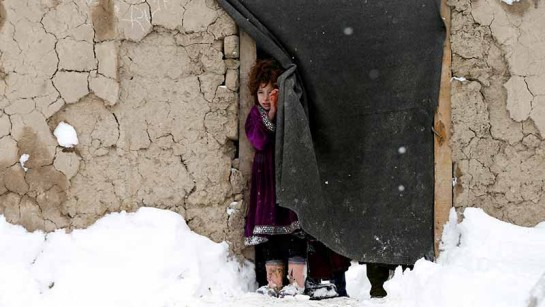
x,y
151,87
498,113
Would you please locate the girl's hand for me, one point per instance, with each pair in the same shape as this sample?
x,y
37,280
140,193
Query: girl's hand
x,y
273,97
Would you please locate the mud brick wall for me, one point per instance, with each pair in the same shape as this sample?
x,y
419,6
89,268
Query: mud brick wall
x,y
151,87
498,114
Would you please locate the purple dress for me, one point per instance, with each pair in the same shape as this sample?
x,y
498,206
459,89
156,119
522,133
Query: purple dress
x,y
264,217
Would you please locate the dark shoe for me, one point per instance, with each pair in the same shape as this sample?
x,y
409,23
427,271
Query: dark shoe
x,y
377,292
377,274
320,291
340,282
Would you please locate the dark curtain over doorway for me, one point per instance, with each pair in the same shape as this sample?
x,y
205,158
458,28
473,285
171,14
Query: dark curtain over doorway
x,y
354,141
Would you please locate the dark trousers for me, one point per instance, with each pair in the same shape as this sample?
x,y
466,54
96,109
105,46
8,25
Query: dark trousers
x,y
323,263
378,274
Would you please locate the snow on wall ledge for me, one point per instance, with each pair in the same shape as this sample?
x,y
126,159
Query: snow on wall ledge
x,y
151,88
498,113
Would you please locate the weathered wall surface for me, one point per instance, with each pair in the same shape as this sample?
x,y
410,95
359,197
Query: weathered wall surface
x,y
151,87
498,114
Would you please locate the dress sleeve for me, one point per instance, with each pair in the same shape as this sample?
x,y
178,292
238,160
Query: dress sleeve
x,y
257,132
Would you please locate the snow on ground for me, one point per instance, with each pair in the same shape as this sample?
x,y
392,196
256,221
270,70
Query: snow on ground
x,y
148,258
151,258
493,264
537,296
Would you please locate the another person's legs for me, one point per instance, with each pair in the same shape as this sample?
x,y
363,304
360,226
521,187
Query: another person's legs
x,y
339,281
378,274
325,264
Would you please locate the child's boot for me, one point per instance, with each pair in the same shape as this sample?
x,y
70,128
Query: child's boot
x,y
296,277
296,271
275,273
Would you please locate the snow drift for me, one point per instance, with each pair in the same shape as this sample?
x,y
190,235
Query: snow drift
x,y
484,262
147,258
151,258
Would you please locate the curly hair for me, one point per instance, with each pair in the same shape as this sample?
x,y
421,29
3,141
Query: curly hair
x,y
263,72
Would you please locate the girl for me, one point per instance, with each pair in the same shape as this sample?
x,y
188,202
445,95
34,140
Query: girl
x,y
267,224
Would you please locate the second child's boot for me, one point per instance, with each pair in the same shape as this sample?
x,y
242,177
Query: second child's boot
x,y
296,277
297,271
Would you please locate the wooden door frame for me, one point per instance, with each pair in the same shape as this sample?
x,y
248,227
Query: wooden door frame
x,y
443,151
247,57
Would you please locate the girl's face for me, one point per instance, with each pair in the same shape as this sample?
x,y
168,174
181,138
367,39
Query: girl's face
x,y
263,95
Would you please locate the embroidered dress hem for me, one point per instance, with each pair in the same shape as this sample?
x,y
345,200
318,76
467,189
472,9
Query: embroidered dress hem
x,y
276,230
261,233
255,240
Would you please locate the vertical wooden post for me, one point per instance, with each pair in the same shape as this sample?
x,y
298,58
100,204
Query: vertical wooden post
x,y
247,59
443,152
248,55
